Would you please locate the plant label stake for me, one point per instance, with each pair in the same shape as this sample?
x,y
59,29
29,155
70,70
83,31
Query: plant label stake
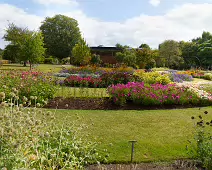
x,y
132,150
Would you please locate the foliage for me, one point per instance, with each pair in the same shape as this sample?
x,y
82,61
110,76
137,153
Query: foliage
x,y
27,84
128,57
81,54
189,53
205,53
61,33
201,150
155,94
145,46
27,44
144,57
170,51
95,59
12,53
49,60
153,77
30,139
208,76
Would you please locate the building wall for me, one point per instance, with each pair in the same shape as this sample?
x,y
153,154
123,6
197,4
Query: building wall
x,y
106,57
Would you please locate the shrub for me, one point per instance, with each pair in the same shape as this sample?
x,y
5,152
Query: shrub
x,y
49,60
117,78
208,76
27,84
155,94
153,77
30,139
95,59
201,148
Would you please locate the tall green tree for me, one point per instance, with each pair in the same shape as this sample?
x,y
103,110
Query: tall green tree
x,y
12,53
81,54
189,53
145,46
205,54
143,57
29,44
170,50
127,56
61,34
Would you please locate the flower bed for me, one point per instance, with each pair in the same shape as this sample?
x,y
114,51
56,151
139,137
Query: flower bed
x,y
36,85
103,81
179,78
155,94
96,70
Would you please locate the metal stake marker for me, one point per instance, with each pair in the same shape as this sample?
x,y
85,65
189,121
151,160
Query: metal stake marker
x,y
132,150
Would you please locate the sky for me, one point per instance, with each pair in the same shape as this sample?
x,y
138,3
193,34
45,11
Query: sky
x,y
108,22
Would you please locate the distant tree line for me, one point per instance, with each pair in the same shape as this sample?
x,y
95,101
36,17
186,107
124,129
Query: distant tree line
x,y
59,39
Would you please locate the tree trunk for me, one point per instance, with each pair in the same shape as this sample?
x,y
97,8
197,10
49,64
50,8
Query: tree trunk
x,y
30,64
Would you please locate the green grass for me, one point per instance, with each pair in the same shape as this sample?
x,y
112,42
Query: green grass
x,y
67,92
161,134
41,67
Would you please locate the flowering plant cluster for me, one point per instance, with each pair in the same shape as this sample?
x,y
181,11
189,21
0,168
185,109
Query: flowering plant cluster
x,y
152,77
77,81
30,138
179,78
27,84
104,80
155,94
96,70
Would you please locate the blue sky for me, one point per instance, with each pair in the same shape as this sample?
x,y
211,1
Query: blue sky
x,y
108,22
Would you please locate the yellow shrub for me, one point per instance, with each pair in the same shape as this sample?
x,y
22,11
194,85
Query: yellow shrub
x,y
153,77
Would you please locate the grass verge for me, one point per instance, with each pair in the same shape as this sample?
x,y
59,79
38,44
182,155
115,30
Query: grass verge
x,y
161,135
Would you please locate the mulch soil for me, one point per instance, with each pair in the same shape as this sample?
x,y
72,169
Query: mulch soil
x,y
103,104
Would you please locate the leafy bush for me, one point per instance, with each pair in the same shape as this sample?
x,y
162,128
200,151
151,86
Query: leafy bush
x,y
95,59
153,77
208,76
30,139
155,94
27,84
201,149
49,60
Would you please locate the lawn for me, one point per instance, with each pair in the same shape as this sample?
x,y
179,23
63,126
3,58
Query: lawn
x,y
41,67
161,134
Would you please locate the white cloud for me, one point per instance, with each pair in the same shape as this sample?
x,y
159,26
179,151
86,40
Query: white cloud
x,y
12,14
155,2
180,23
57,2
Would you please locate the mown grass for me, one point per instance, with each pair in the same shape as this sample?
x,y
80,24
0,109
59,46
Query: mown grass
x,y
41,67
67,92
161,135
